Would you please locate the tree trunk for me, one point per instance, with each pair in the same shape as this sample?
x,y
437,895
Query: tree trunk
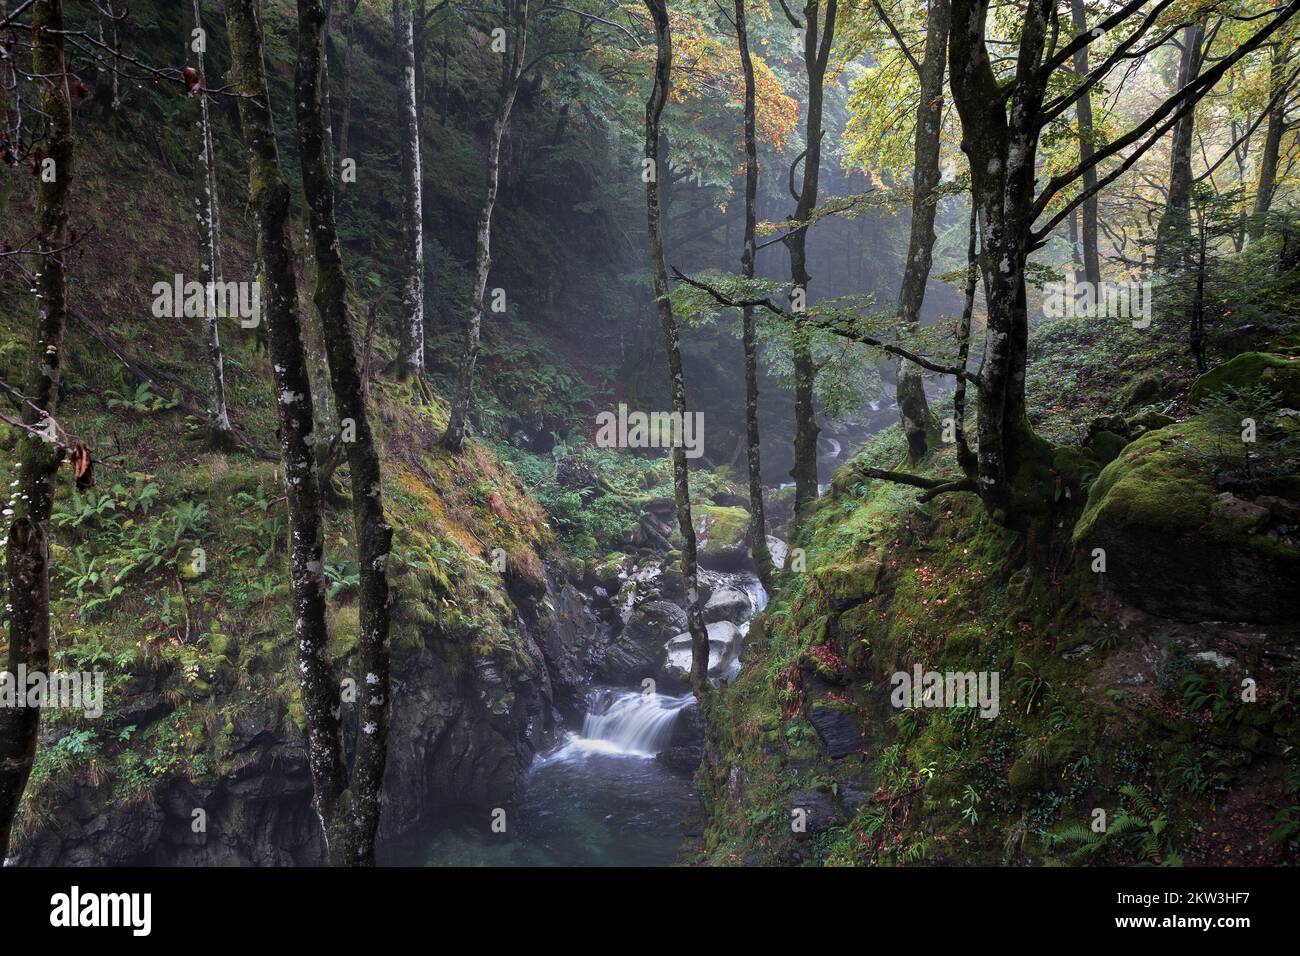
x,y
372,532
411,359
913,409
345,121
454,439
269,200
758,522
816,53
1268,158
1083,110
28,551
210,215
668,324
1002,153
1173,233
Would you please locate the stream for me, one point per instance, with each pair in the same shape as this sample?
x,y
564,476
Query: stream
x,y
600,797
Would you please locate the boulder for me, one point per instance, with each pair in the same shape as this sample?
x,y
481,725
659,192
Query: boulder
x,y
725,642
1281,373
637,651
811,812
839,727
1175,546
722,536
728,604
845,584
685,747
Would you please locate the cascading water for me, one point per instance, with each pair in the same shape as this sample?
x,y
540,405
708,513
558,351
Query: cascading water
x,y
630,723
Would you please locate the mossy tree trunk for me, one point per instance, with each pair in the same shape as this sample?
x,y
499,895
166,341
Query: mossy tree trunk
x,y
1000,140
372,532
758,523
210,224
269,201
668,324
516,11
27,551
913,409
816,56
411,355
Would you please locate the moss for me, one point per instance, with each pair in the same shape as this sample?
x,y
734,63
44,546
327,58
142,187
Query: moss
x,y
1105,446
1279,372
1156,483
720,530
844,585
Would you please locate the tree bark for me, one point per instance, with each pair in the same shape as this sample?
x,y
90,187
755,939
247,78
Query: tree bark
x,y
269,201
345,121
1083,110
210,215
454,438
411,359
1269,155
1001,142
372,532
668,324
1174,231
758,522
816,53
913,409
27,552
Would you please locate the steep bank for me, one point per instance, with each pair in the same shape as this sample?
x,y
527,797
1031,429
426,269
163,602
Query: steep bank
x,y
1162,692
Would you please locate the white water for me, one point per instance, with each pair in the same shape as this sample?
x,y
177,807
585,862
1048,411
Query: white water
x,y
624,723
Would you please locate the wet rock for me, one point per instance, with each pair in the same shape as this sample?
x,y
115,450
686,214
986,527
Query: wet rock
x,y
725,642
811,812
838,726
728,604
638,650
685,748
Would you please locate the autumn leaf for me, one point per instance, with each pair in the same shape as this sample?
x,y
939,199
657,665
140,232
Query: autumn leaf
x,y
83,467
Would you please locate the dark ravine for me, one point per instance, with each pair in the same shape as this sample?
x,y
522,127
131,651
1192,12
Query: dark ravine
x,y
456,740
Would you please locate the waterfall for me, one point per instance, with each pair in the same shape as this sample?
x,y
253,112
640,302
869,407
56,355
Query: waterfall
x,y
627,722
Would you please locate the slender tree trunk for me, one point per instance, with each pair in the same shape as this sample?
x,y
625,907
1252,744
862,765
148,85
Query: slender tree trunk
x,y
411,359
27,552
345,121
758,522
816,54
1269,155
454,438
372,532
1083,110
668,323
1173,233
269,200
218,417
913,409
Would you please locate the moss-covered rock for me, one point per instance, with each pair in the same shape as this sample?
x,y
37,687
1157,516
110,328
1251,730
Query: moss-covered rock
x,y
1280,372
845,584
722,535
1174,546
